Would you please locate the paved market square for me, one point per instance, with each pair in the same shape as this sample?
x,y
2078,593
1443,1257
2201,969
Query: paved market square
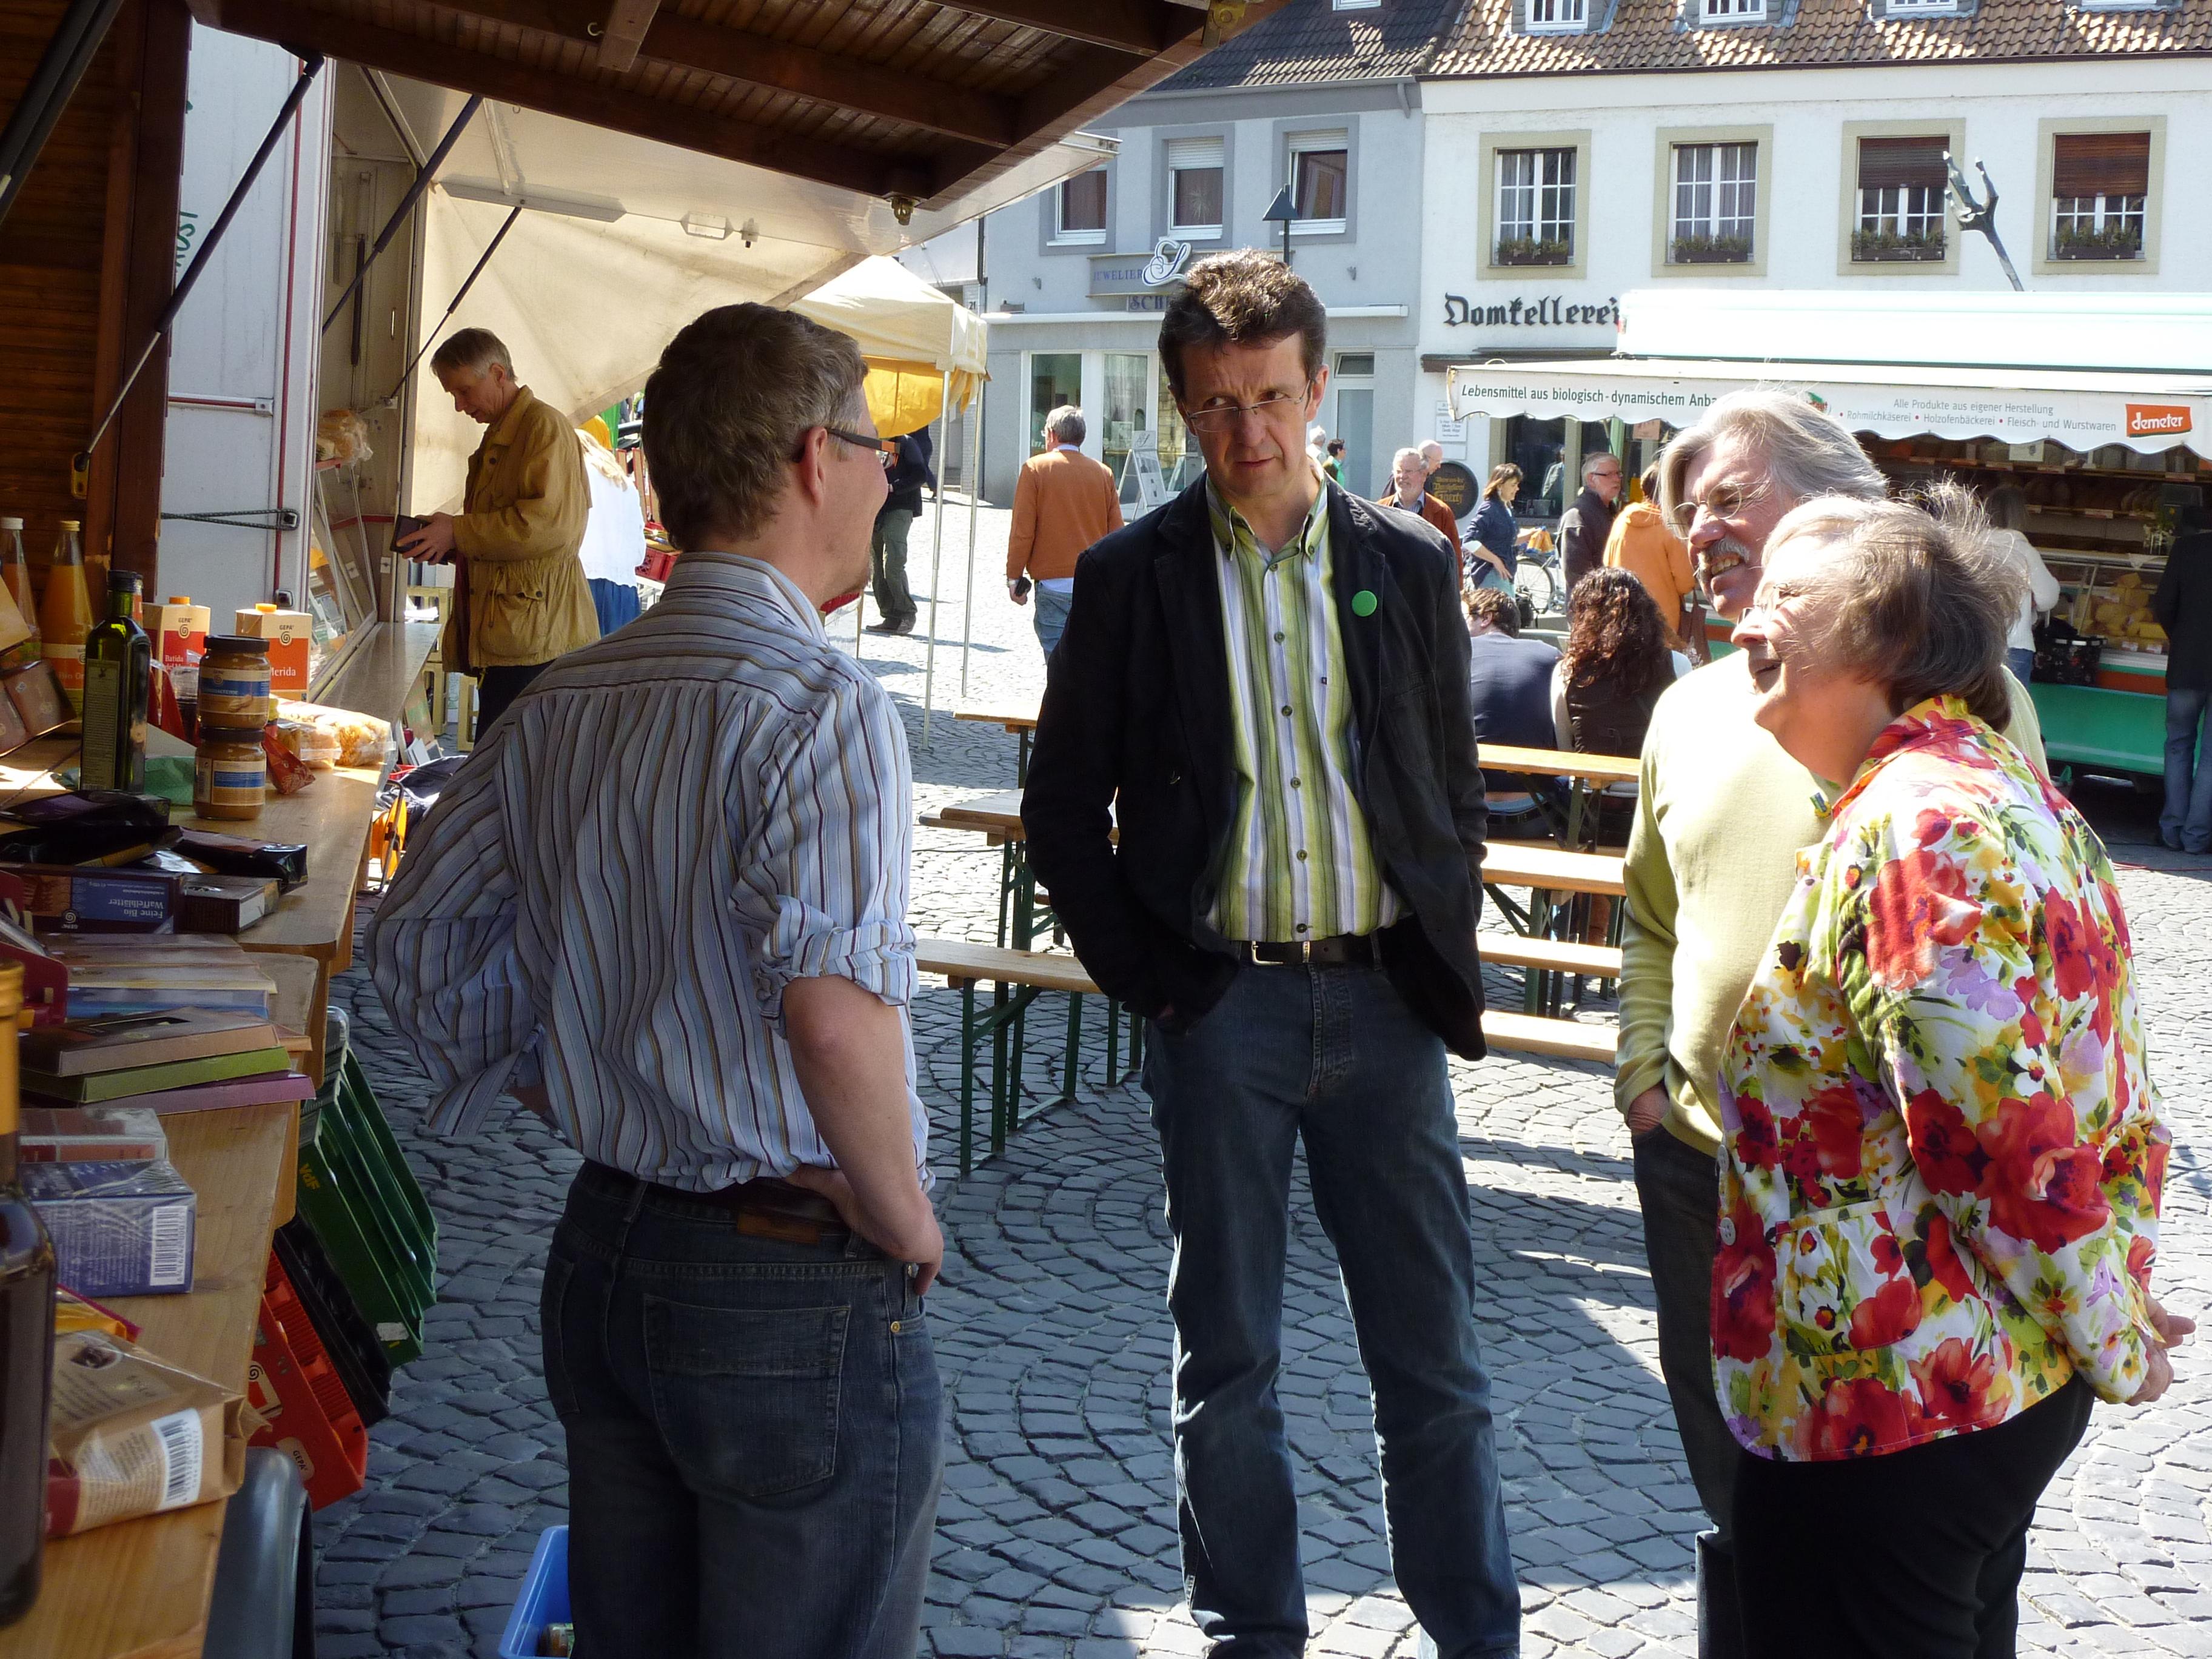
x,y
1056,1536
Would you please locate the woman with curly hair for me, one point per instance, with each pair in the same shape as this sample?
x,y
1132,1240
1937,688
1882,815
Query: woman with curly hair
x,y
1940,1152
1615,665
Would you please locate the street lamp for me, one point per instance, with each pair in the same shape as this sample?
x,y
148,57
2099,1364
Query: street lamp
x,y
1282,210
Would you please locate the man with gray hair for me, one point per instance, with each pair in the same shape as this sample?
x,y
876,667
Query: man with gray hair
x,y
520,598
1063,502
664,905
1721,814
1587,524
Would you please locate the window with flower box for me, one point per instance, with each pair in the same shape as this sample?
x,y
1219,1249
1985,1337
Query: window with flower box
x,y
2100,195
1904,198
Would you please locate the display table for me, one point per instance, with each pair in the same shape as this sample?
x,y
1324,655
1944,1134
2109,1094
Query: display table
x,y
140,1587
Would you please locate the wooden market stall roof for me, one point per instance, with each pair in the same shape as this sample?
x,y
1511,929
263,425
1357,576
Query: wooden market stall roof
x,y
904,99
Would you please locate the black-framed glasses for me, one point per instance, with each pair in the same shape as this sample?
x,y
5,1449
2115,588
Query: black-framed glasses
x,y
1222,418
860,440
1722,501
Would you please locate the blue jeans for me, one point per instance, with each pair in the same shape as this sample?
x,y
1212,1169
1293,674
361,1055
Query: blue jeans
x,y
755,1433
2021,659
1052,610
1333,1055
616,602
2187,821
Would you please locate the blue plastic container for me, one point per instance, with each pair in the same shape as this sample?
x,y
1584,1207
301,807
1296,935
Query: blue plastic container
x,y
545,1598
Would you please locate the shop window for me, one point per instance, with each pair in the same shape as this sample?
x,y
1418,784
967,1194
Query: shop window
x,y
1557,17
1124,415
2100,192
1320,182
1904,194
1733,11
1195,169
1081,208
1055,378
1535,207
1715,205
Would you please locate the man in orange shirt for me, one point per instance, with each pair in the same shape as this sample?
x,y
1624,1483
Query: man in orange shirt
x,y
1642,544
1063,502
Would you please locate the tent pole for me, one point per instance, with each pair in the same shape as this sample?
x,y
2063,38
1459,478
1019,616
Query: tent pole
x,y
975,492
936,560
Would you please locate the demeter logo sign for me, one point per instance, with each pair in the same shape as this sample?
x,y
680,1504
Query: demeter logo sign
x,y
2155,420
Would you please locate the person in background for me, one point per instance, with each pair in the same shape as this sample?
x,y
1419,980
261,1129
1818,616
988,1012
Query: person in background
x,y
1334,466
1643,545
2183,605
1941,1155
1496,552
614,533
1297,918
663,904
1616,664
1432,457
1588,521
1408,494
1063,502
1721,815
2008,510
909,456
1509,693
520,598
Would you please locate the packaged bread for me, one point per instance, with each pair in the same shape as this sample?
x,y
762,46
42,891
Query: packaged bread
x,y
133,1436
310,743
363,740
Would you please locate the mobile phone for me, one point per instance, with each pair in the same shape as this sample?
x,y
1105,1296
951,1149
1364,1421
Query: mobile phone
x,y
404,527
1021,587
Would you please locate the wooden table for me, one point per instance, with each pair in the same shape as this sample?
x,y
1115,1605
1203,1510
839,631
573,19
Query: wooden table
x,y
1562,763
1022,725
139,1589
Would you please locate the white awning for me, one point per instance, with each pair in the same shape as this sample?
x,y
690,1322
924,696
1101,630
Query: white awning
x,y
2081,410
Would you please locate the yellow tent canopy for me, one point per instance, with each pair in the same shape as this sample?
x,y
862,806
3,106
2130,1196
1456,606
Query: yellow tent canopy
x,y
913,338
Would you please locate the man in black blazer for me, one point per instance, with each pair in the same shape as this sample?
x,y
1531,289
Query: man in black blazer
x,y
1263,686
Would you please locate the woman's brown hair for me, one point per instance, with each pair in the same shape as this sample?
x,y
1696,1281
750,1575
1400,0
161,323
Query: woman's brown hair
x,y
1616,643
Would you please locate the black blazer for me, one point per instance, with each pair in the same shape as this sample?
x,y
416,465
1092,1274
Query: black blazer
x,y
1135,731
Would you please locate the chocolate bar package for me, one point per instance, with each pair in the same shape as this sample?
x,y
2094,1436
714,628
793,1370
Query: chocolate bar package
x,y
284,863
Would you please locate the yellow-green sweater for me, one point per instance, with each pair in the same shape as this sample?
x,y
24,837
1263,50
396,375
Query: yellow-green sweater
x,y
1721,817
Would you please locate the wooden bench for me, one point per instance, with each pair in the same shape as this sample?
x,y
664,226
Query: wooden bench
x,y
1551,955
1035,972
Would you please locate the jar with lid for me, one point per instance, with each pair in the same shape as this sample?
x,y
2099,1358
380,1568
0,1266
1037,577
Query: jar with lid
x,y
235,681
230,772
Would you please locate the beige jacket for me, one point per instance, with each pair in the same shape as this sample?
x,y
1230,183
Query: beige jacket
x,y
522,599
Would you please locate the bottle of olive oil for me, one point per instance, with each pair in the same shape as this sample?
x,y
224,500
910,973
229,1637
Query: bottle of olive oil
x,y
65,614
118,681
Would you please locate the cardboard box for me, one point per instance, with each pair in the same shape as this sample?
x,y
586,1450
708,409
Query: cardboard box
x,y
118,1228
87,899
180,631
288,632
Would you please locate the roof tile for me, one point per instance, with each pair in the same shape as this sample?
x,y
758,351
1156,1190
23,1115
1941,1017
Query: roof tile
x,y
1307,42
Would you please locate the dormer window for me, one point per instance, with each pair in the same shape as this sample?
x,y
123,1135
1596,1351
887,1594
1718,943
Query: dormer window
x,y
1733,11
1921,9
1557,17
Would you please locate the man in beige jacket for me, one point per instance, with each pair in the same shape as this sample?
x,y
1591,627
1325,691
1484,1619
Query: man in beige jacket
x,y
1063,502
521,598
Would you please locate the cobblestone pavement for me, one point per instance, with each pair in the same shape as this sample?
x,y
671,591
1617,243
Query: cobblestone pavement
x,y
1055,1535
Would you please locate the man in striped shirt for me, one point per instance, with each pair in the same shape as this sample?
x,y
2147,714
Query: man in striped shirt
x,y
1263,688
665,904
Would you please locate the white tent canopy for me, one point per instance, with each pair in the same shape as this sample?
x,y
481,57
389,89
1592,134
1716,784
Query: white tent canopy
x,y
620,242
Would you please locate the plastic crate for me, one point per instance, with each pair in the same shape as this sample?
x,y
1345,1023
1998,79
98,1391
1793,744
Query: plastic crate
x,y
545,1598
307,1416
341,1219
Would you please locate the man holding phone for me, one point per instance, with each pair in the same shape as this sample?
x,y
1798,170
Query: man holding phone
x,y
1063,502
520,599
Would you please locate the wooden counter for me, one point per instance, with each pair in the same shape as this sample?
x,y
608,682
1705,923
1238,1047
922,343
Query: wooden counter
x,y
140,1587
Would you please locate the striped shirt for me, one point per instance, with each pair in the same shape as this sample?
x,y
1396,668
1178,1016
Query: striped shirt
x,y
669,827
1301,862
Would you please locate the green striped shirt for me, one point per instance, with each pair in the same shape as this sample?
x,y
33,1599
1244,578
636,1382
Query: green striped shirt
x,y
1301,862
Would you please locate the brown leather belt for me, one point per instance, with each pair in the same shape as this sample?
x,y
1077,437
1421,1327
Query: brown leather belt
x,y
1342,950
765,1207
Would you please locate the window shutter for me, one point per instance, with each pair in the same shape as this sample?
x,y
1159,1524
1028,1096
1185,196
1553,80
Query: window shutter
x,y
2101,164
1183,153
1892,163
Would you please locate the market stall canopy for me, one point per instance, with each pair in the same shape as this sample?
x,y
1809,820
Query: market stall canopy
x,y
913,100
913,337
2155,333
620,241
2081,410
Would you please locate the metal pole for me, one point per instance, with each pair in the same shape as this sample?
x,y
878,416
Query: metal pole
x,y
975,490
310,62
422,182
54,83
936,563
460,294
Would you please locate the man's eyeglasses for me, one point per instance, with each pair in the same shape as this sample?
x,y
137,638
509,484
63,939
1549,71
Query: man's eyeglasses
x,y
1222,418
1721,501
861,441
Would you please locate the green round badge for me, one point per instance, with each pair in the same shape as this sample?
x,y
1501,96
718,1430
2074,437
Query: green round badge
x,y
1363,604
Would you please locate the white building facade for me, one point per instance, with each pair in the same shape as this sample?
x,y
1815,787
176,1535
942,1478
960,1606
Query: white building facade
x,y
1561,171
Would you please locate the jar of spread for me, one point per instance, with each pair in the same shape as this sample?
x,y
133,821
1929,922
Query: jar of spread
x,y
234,681
230,772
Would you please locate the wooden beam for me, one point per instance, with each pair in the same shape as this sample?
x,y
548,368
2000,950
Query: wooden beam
x,y
1139,28
758,60
578,98
624,31
1081,86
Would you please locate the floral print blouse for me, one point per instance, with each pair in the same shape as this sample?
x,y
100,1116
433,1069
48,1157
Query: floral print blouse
x,y
1940,1154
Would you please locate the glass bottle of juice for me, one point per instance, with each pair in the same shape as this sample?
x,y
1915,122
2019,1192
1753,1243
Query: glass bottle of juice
x,y
65,615
16,572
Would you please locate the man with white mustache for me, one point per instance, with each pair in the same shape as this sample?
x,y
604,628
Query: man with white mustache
x,y
1721,814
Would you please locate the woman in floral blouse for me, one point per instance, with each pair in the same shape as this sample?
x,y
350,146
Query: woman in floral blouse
x,y
1941,1158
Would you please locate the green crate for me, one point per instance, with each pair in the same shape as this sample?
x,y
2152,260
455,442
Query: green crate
x,y
357,1168
356,1249
360,1102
